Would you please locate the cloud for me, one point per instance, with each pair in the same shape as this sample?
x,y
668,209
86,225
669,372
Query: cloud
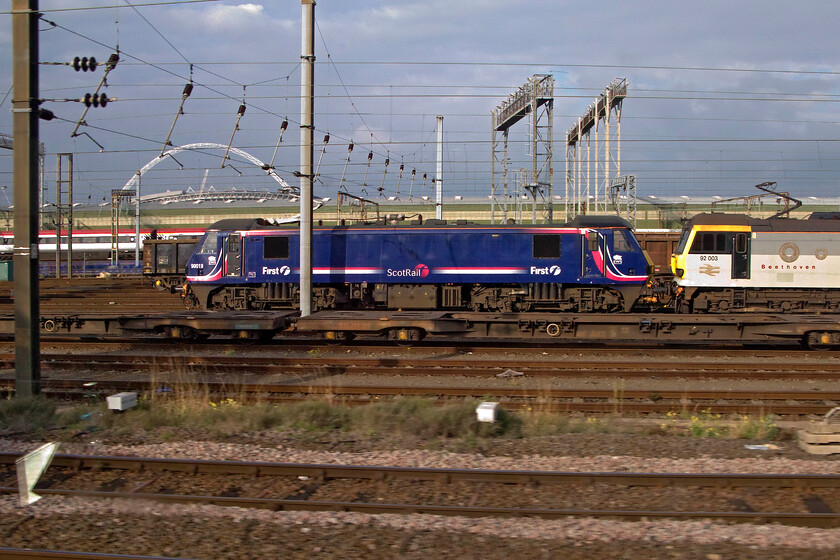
x,y
226,17
460,60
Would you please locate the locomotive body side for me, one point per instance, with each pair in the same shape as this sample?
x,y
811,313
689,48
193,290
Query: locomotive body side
x,y
796,259
419,266
729,262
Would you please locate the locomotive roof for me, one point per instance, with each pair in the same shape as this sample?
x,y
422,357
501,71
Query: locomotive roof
x,y
599,221
247,224
766,224
824,216
241,224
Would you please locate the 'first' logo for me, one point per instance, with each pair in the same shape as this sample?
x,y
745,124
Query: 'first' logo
x,y
546,270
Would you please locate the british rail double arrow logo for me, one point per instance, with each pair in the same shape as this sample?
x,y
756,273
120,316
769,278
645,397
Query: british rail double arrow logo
x,y
709,269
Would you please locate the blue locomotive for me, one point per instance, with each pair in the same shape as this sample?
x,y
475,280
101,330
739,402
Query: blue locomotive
x,y
588,264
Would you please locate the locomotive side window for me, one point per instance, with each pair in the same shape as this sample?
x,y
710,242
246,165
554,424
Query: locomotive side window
x,y
210,244
620,243
546,246
233,243
711,242
592,240
740,243
275,247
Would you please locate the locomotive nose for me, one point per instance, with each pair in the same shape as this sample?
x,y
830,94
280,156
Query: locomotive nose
x,y
678,272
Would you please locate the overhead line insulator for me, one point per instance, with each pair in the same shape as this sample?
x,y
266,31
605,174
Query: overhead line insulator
x,y
84,64
96,100
112,62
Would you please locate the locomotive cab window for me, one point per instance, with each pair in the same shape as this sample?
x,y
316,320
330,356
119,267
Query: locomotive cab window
x,y
683,241
620,243
712,242
275,247
592,241
210,244
546,246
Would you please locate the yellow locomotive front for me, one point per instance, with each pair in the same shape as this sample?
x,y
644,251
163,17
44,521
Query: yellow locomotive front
x,y
713,251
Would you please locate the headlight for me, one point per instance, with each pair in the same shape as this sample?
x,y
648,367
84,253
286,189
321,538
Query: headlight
x,y
680,273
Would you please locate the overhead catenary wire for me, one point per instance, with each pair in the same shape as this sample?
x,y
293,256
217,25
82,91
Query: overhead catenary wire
x,y
197,67
396,144
144,4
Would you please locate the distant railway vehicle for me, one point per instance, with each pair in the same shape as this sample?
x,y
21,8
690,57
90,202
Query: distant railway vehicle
x,y
659,244
732,262
92,248
590,264
165,260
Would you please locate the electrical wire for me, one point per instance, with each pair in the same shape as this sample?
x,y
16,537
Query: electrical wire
x,y
86,8
156,30
638,143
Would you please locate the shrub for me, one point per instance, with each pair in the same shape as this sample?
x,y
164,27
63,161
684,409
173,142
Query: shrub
x,y
27,414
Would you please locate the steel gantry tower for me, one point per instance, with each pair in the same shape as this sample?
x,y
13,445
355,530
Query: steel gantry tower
x,y
536,98
585,193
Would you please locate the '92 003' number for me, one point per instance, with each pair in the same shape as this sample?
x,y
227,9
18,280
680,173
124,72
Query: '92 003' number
x,y
708,257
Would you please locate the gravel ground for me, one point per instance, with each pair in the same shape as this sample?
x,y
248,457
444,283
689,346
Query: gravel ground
x,y
215,532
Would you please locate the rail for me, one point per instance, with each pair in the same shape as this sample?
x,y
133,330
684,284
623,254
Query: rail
x,y
314,476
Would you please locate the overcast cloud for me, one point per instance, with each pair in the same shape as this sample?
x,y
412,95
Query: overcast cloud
x,y
722,94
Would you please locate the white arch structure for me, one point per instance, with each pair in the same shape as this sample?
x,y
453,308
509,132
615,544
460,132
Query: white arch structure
x,y
210,146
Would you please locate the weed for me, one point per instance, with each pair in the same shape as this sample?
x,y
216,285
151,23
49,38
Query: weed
x,y
705,424
318,416
763,427
29,414
187,407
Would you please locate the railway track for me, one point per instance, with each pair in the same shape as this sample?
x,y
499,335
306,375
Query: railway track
x,y
463,349
786,403
221,360
64,296
29,554
264,374
805,500
471,367
7,553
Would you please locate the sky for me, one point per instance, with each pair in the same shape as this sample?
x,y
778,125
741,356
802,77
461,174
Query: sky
x,y
722,95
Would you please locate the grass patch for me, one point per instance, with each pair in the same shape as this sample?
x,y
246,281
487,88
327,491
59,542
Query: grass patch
x,y
31,414
762,427
413,417
190,411
424,419
543,423
704,424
